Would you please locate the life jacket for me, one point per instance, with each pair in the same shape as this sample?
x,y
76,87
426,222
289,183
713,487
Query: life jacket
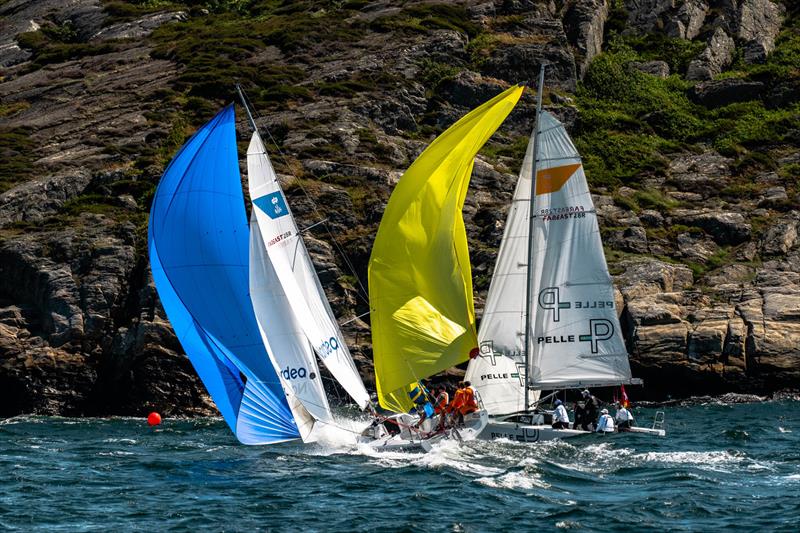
x,y
469,404
458,401
442,400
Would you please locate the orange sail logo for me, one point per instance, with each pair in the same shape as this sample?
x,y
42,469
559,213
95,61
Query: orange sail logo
x,y
552,179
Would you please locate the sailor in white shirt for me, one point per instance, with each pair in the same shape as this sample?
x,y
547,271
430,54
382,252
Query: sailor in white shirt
x,y
560,417
623,418
606,423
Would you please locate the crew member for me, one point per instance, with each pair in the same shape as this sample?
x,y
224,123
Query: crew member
x,y
442,399
470,404
580,415
623,418
560,416
421,398
606,423
458,399
590,410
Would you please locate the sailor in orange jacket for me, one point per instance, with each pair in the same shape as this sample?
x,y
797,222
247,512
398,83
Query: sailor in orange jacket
x,y
458,399
441,401
469,405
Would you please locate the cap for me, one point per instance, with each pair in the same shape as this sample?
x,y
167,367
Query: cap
x,y
557,402
586,392
604,411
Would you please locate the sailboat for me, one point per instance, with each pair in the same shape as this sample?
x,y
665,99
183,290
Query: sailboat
x,y
198,247
245,302
294,317
420,279
550,320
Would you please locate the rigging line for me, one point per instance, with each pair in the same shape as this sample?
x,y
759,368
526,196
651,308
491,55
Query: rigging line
x,y
363,292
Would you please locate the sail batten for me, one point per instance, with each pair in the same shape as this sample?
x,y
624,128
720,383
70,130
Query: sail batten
x,y
420,280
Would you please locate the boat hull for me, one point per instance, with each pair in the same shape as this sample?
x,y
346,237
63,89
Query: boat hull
x,y
521,432
499,429
422,440
647,431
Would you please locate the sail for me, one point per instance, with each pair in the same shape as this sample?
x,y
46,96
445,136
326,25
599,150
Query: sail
x,y
197,241
498,374
420,280
291,354
576,339
295,271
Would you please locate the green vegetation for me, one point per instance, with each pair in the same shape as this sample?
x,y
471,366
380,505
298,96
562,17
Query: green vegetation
x,y
630,120
426,17
16,157
719,258
646,199
58,44
433,73
11,109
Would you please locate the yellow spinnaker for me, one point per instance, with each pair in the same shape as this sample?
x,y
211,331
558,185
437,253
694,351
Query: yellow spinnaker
x,y
420,280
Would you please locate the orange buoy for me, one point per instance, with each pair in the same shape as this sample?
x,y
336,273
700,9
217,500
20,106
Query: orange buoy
x,y
154,419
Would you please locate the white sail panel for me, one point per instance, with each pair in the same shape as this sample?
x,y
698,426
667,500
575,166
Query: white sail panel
x,y
576,339
499,372
286,343
293,267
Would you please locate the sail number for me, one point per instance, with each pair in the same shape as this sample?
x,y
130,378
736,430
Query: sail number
x,y
328,347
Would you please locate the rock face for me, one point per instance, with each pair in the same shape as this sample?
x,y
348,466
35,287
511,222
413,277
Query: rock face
x,y
682,19
759,22
719,93
102,108
716,56
584,22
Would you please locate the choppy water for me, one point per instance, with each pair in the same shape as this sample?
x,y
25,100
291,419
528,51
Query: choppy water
x,y
720,468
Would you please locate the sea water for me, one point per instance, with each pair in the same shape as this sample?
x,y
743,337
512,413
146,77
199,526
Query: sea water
x,y
721,467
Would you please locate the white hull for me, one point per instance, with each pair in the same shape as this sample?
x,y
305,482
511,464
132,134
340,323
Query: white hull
x,y
411,439
519,431
648,431
498,429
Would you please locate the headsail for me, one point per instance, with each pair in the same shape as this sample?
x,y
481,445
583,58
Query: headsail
x,y
499,372
295,271
420,280
290,352
576,338
197,239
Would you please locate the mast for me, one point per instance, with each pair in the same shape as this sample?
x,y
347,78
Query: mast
x,y
531,216
247,109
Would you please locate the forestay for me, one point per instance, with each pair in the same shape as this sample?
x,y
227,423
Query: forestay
x,y
293,268
576,338
420,280
197,241
499,373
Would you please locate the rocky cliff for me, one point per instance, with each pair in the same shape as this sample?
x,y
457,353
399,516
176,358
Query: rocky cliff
x,y
687,113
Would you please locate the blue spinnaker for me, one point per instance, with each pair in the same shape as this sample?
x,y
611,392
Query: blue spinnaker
x,y
198,243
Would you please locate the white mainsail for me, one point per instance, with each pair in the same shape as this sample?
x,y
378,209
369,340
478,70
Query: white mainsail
x,y
289,350
499,372
289,258
576,338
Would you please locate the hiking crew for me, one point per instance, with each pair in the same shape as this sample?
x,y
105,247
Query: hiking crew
x,y
560,416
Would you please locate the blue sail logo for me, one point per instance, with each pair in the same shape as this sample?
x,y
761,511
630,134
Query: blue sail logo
x,y
273,204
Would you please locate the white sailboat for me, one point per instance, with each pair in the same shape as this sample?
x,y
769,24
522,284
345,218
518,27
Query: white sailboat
x,y
550,320
294,317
